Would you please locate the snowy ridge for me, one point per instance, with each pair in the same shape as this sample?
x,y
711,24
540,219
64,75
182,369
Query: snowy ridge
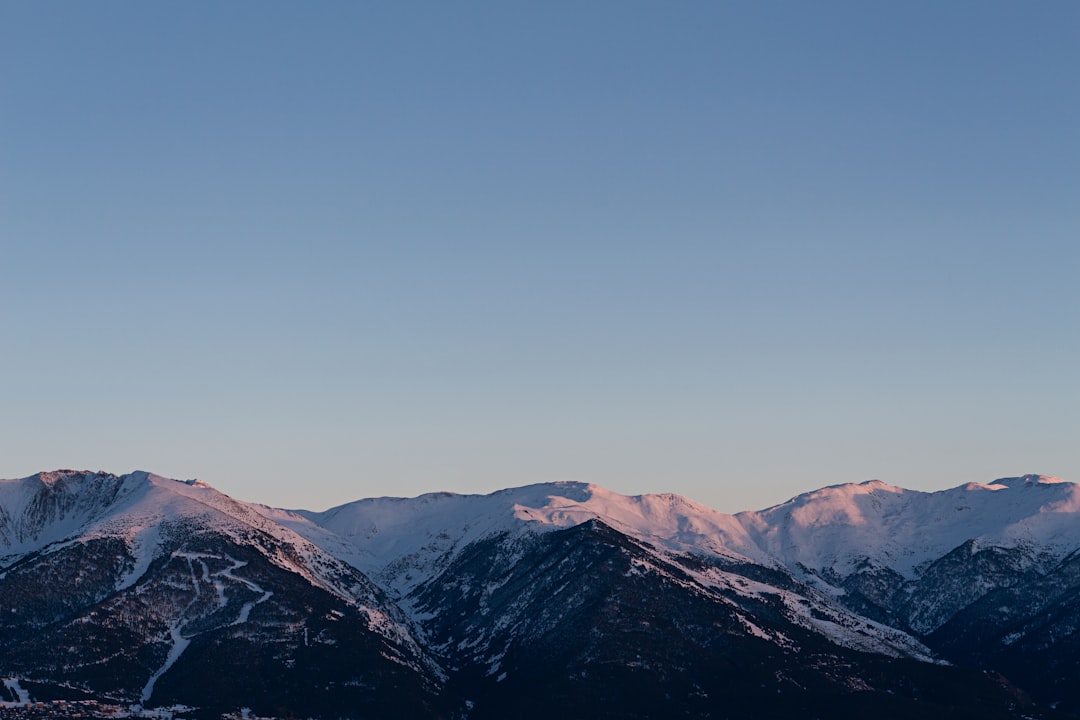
x,y
400,541
834,528
666,520
813,611
44,512
47,508
837,527
52,508
819,537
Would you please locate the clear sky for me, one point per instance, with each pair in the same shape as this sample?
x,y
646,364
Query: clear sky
x,y
316,251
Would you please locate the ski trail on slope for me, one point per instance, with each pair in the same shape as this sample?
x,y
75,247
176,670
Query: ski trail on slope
x,y
179,642
194,577
23,696
245,611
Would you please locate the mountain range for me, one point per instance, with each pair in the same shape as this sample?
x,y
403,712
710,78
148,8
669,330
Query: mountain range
x,y
551,600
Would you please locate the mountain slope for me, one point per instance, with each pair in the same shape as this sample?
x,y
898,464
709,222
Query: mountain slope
x,y
588,622
833,530
769,580
404,544
174,592
396,539
559,598
985,574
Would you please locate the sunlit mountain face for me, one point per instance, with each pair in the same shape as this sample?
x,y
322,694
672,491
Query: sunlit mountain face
x,y
561,599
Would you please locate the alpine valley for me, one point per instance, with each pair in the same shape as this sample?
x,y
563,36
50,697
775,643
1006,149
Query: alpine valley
x,y
553,600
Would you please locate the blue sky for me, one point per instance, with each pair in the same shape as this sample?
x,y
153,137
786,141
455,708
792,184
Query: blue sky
x,y
311,252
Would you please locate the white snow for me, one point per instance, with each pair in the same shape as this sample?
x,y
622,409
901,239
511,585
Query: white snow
x,y
217,579
837,527
23,697
403,542
245,610
400,539
88,508
47,511
179,645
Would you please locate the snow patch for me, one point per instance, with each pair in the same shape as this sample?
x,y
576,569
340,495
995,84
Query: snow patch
x,y
21,695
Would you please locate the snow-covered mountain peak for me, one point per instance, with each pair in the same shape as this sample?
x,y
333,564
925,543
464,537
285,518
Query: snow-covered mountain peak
x,y
401,540
849,503
69,480
94,482
669,520
52,507
977,486
1028,481
49,507
839,527
52,477
46,513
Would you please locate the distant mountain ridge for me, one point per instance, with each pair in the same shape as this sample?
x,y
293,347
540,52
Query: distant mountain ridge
x,y
545,599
